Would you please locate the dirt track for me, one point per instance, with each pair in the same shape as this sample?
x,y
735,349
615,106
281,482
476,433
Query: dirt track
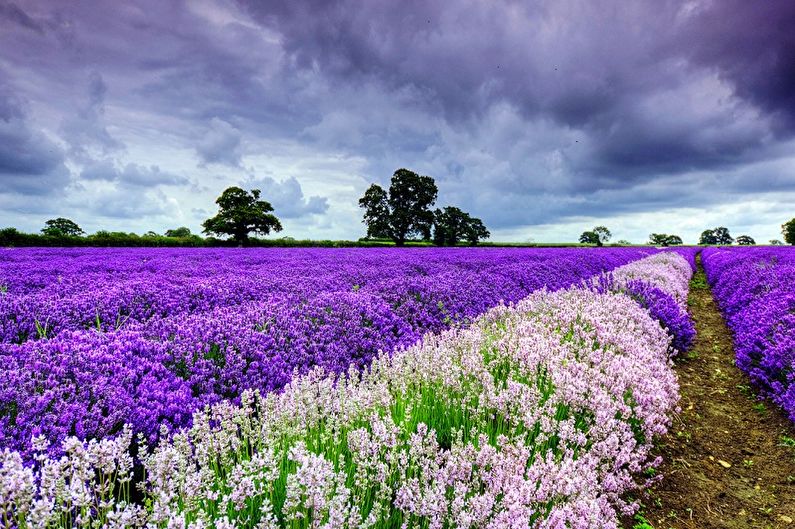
x,y
727,459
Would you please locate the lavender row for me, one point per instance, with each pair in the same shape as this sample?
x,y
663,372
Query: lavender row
x,y
47,291
538,415
755,289
219,322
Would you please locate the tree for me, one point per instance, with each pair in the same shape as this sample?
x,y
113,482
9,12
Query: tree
x,y
452,225
61,227
776,242
745,240
410,199
788,230
241,212
708,237
476,231
404,211
376,212
589,237
716,236
178,232
598,236
603,233
663,239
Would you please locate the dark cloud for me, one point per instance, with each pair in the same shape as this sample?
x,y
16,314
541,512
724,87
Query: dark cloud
x,y
13,13
524,112
30,163
752,44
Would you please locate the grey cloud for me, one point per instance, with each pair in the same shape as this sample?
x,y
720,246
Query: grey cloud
x,y
287,197
130,175
86,129
220,144
30,163
13,13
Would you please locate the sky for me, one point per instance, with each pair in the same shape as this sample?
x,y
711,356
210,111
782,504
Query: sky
x,y
543,118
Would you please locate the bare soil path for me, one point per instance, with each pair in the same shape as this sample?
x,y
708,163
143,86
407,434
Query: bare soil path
x,y
730,458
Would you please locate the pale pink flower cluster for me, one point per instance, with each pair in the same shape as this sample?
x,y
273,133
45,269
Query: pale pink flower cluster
x,y
538,415
668,271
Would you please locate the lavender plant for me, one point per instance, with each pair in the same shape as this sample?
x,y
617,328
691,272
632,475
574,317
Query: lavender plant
x,y
755,290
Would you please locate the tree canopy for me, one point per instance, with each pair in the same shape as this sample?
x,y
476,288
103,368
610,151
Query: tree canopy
x,y
716,237
61,227
452,225
788,230
664,239
599,235
745,240
241,212
178,232
404,211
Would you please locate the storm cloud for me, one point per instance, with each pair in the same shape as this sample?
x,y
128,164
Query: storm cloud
x,y
540,117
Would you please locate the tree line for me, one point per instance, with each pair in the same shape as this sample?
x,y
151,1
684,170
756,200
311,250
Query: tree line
x,y
398,215
719,236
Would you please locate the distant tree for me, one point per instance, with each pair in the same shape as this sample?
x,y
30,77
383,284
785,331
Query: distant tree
x,y
775,242
745,240
663,239
623,242
788,230
708,238
451,226
598,236
376,212
241,212
723,236
404,211
476,231
151,234
178,232
589,237
61,227
718,236
603,233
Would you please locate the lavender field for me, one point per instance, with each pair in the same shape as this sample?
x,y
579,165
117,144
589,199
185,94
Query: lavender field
x,y
335,388
755,289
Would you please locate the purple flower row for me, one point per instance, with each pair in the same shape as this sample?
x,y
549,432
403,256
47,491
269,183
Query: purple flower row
x,y
755,289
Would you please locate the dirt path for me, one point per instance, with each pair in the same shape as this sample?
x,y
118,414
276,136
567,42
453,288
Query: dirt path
x,y
727,459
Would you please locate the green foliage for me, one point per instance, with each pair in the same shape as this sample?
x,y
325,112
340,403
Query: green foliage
x,y
788,230
404,211
664,239
775,242
598,236
452,225
239,213
61,227
589,237
178,232
745,240
376,212
716,237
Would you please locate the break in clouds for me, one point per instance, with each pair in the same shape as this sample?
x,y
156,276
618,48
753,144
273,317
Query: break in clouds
x,y
541,118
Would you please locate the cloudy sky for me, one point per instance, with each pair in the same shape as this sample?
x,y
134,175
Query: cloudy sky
x,y
541,117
